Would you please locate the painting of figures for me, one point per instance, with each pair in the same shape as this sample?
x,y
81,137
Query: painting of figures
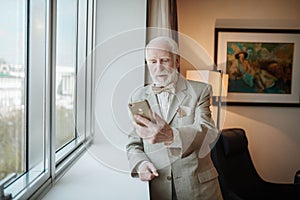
x,y
259,67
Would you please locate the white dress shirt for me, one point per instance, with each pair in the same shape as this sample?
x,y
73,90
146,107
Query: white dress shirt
x,y
164,100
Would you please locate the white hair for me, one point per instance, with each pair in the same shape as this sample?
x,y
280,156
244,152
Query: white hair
x,y
172,44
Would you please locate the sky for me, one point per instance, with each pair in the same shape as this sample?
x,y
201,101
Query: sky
x,y
13,31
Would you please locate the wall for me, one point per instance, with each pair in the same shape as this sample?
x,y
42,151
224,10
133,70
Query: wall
x,y
119,69
273,132
119,66
119,61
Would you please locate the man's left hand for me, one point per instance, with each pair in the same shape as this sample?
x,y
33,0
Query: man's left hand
x,y
156,131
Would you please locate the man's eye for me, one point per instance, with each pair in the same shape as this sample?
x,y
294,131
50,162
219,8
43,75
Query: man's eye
x,y
165,60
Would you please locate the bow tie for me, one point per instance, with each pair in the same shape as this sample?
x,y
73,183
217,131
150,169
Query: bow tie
x,y
169,88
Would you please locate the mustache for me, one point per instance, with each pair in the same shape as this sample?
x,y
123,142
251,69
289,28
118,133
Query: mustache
x,y
163,73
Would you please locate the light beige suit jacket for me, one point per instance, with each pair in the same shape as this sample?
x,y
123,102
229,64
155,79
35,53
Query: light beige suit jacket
x,y
190,117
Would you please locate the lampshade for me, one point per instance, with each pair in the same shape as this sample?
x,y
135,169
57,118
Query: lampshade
x,y
224,86
216,79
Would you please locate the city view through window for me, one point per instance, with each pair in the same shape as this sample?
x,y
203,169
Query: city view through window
x,y
14,82
12,87
46,95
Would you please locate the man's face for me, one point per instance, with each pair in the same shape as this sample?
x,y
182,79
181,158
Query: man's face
x,y
162,65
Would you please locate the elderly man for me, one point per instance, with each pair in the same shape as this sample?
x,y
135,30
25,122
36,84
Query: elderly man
x,y
168,150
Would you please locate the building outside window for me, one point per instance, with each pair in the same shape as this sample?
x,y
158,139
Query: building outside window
x,y
12,87
44,126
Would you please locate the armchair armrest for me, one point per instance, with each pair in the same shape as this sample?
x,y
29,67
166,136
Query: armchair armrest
x,y
297,177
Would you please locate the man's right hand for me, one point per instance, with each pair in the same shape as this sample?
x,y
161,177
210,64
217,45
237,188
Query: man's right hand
x,y
147,171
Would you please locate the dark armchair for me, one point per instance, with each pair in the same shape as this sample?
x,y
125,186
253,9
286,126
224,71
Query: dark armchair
x,y
238,177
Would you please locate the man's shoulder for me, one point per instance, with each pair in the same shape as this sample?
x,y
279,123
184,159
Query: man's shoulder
x,y
140,93
197,84
199,88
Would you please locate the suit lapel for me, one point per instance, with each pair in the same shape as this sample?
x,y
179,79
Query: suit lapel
x,y
177,99
152,99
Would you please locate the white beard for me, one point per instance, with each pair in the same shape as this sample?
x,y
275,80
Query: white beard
x,y
170,79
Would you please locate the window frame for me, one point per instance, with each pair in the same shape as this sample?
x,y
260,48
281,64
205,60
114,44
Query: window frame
x,y
37,180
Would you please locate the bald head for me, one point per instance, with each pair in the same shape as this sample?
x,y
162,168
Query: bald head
x,y
163,43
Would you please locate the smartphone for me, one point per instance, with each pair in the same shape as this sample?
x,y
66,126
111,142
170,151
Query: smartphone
x,y
141,108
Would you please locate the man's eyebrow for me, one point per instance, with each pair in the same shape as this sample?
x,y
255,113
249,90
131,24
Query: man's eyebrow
x,y
163,57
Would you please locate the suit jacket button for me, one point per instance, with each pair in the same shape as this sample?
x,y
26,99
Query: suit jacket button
x,y
169,178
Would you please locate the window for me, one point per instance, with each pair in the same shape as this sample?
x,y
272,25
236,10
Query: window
x,y
12,87
43,72
66,71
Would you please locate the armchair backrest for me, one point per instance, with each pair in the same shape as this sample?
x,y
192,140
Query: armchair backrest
x,y
237,174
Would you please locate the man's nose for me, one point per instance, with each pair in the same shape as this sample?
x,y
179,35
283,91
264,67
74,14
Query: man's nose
x,y
159,66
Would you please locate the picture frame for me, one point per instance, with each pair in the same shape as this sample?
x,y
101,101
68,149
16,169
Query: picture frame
x,y
263,65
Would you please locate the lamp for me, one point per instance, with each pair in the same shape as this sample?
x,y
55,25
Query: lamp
x,y
217,80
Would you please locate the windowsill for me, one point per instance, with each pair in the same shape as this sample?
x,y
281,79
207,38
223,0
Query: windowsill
x,y
99,176
27,183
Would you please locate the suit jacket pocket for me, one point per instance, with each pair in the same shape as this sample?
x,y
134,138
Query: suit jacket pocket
x,y
208,175
186,115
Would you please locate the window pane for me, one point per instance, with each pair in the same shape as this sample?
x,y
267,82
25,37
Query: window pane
x,y
12,86
65,71
36,84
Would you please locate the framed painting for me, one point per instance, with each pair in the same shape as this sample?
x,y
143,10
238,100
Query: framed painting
x,y
263,65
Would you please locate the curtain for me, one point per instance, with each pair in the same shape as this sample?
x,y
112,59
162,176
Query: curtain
x,y
161,21
161,18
